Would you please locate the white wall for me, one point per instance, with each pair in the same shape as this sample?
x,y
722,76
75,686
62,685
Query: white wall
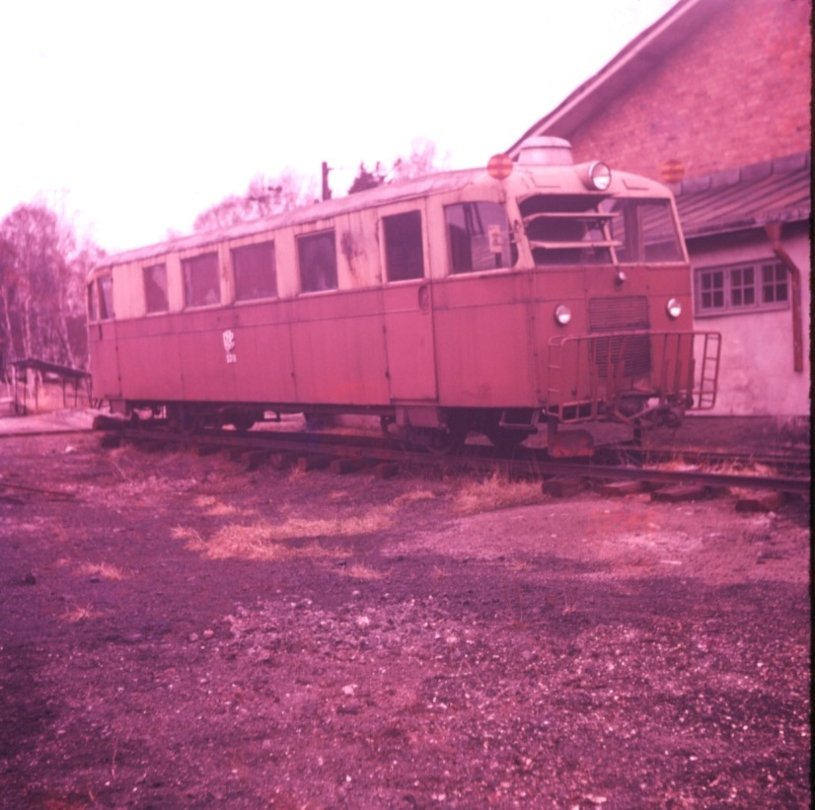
x,y
757,376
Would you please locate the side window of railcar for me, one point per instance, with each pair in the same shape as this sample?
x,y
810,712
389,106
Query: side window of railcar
x,y
478,237
93,309
155,288
644,230
317,254
403,246
201,286
255,271
105,297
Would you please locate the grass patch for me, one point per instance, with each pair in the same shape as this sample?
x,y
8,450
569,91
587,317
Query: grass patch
x,y
80,614
496,492
364,572
212,506
415,496
280,541
101,570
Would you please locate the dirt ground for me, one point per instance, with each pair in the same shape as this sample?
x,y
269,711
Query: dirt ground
x,y
182,632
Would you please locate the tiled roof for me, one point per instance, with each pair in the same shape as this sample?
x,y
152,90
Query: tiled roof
x,y
778,190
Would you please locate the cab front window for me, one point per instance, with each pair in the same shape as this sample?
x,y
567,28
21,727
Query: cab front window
x,y
566,229
644,231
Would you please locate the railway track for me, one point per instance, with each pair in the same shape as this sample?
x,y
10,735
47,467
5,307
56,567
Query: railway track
x,y
658,467
793,463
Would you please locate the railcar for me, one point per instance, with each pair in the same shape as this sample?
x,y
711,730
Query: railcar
x,y
531,293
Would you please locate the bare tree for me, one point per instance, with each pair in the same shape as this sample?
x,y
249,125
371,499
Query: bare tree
x,y
367,179
263,197
421,161
42,276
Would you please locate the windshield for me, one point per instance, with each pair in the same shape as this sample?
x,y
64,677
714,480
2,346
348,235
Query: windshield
x,y
643,230
588,229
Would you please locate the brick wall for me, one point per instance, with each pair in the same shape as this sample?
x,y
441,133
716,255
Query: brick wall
x,y
737,91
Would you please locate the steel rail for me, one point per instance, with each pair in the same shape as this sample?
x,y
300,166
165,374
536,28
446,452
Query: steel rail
x,y
524,461
23,434
794,463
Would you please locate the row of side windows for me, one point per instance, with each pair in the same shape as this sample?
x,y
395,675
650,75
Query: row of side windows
x,y
255,277
255,269
478,238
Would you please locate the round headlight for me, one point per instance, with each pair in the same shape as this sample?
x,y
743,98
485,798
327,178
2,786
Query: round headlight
x,y
673,307
599,175
562,314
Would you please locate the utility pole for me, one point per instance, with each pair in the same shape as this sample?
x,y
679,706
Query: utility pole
x,y
326,189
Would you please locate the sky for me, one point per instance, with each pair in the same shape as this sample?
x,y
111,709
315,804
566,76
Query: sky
x,y
131,118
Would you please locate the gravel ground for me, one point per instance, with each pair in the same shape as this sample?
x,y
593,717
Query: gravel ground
x,y
182,632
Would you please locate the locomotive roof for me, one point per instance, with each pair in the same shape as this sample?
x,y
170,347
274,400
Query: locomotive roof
x,y
326,209
521,179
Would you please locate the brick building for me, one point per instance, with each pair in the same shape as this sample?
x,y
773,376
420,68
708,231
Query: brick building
x,y
715,98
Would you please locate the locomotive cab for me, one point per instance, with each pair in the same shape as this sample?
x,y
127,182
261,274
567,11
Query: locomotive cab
x,y
608,253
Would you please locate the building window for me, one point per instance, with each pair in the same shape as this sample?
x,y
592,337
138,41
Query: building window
x,y
403,246
155,288
774,284
255,271
478,237
317,254
741,288
201,286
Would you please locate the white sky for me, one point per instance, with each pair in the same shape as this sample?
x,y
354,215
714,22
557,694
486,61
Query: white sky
x,y
131,118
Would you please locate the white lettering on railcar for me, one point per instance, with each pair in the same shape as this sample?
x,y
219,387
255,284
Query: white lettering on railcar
x,y
228,337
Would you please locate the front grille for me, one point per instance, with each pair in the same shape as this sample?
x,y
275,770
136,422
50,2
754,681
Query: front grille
x,y
626,354
611,314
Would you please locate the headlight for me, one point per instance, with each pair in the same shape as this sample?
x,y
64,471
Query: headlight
x,y
599,176
562,314
673,308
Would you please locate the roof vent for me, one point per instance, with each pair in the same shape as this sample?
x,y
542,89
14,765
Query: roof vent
x,y
544,150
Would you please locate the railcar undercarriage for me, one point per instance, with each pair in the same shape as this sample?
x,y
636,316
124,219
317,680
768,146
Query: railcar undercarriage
x,y
440,430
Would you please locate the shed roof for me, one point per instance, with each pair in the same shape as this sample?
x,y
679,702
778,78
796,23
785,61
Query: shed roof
x,y
777,190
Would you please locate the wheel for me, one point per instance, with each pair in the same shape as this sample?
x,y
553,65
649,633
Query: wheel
x,y
446,440
183,420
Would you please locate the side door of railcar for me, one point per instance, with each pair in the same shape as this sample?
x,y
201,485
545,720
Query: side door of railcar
x,y
102,339
480,306
407,296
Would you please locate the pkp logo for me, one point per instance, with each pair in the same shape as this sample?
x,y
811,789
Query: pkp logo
x,y
228,338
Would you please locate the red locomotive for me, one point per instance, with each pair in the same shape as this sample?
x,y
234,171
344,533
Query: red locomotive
x,y
499,300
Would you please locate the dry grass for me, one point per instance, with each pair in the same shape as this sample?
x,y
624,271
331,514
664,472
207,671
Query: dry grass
x,y
101,570
279,541
213,507
414,496
364,572
496,492
254,542
80,614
